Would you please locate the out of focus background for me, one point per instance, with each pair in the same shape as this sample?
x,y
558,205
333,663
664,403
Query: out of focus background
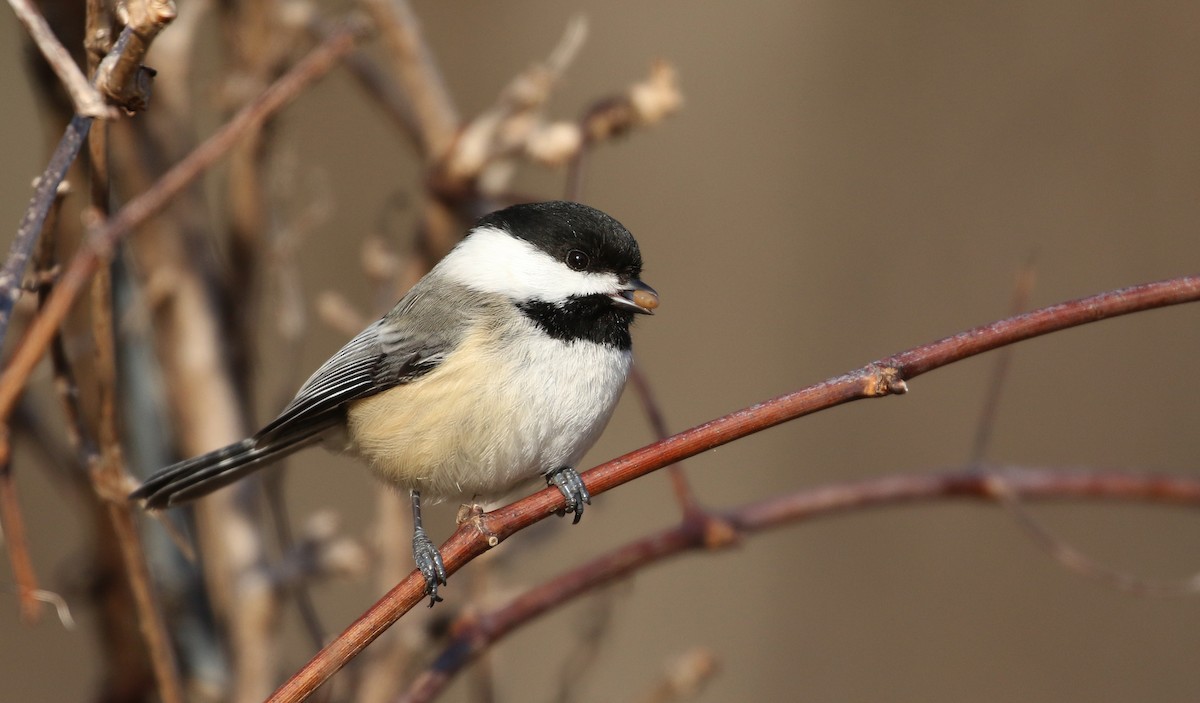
x,y
844,180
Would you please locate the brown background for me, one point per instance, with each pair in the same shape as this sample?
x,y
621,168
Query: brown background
x,y
847,179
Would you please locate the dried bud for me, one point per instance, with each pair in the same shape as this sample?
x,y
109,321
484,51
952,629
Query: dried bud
x,y
554,144
658,96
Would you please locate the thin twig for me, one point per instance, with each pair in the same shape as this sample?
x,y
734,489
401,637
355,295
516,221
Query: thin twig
x,y
88,101
100,242
884,377
34,219
823,501
11,519
108,478
1068,556
684,494
107,471
373,80
1022,292
12,523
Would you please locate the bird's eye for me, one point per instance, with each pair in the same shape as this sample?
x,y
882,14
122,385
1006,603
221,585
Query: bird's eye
x,y
577,260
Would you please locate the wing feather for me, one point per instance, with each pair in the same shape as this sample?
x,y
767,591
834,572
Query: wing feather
x,y
378,358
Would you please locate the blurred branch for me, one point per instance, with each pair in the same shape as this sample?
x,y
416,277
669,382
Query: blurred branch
x,y
1022,292
110,483
33,222
106,471
100,241
884,377
12,523
807,504
1059,549
11,519
121,76
643,104
126,49
88,101
504,129
12,532
684,494
377,84
421,81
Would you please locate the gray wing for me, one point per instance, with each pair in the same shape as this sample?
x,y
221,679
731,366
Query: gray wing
x,y
384,355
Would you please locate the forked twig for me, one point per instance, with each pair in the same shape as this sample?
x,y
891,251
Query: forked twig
x,y
100,242
824,501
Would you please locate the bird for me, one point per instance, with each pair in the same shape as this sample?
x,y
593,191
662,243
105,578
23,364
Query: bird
x,y
502,364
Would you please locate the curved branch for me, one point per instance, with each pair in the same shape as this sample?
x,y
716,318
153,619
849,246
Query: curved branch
x,y
884,377
721,530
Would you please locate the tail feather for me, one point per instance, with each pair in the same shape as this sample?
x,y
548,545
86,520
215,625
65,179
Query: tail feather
x,y
199,476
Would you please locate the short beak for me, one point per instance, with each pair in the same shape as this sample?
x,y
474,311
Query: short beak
x,y
636,296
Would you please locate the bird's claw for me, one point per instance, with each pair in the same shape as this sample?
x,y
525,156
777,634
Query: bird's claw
x,y
429,561
569,482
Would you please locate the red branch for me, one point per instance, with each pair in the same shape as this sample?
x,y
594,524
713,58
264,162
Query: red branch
x,y
13,525
884,377
485,630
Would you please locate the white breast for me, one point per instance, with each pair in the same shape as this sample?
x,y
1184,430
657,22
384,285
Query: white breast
x,y
490,418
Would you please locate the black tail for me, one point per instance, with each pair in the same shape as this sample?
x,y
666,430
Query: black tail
x,y
199,476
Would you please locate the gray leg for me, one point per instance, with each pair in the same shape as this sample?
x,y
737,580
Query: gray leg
x,y
568,481
426,555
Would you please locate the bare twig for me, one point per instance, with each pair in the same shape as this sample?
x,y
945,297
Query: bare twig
x,y
371,78
107,470
121,75
808,504
32,222
684,494
109,481
88,101
125,49
1022,292
12,524
11,519
101,241
1059,549
884,377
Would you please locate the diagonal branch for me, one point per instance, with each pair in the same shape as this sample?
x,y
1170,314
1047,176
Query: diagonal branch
x,y
126,53
884,377
87,100
100,242
418,74
32,222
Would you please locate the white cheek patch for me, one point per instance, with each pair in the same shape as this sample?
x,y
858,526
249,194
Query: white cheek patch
x,y
493,261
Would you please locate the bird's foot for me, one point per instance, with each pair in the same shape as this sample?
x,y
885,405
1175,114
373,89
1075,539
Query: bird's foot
x,y
429,560
568,481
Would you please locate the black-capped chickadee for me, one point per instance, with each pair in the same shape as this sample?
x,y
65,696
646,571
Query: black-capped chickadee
x,y
502,364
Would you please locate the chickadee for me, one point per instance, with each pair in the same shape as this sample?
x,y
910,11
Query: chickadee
x,y
502,364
